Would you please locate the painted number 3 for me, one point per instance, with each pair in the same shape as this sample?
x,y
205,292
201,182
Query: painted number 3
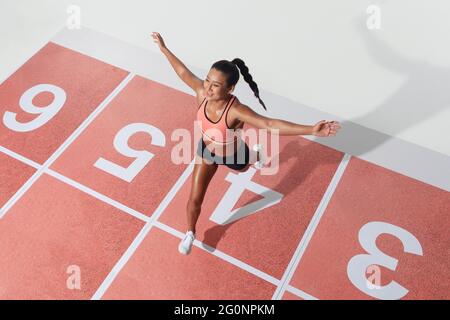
x,y
357,266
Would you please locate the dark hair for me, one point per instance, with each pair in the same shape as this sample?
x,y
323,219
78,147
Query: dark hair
x,y
230,68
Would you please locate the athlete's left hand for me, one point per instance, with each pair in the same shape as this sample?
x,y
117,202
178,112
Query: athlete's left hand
x,y
326,128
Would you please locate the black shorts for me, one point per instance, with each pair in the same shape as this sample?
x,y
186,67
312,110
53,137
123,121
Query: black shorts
x,y
239,160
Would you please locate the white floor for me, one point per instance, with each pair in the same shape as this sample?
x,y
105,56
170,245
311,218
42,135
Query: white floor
x,y
312,61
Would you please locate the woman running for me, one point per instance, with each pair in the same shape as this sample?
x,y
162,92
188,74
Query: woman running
x,y
221,114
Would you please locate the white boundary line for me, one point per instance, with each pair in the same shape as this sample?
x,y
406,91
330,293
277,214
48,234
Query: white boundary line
x,y
238,263
287,276
97,195
143,233
63,146
76,185
302,294
21,158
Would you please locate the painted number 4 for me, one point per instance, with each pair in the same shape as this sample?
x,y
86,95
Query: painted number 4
x,y
223,214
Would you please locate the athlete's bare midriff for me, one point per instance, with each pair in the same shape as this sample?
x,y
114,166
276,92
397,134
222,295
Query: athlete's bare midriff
x,y
219,149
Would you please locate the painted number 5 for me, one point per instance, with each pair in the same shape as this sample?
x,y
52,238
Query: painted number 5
x,y
357,266
45,113
142,157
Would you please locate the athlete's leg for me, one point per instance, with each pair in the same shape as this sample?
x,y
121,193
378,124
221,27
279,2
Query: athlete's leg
x,y
202,175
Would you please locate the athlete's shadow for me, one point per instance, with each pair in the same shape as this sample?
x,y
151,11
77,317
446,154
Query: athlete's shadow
x,y
293,178
423,94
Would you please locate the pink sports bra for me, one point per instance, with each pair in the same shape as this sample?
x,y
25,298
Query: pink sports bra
x,y
218,132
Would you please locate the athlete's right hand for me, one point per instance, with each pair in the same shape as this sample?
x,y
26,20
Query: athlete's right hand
x,y
159,40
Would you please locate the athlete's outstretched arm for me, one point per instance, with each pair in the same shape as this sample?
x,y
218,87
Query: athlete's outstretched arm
x,y
321,129
181,70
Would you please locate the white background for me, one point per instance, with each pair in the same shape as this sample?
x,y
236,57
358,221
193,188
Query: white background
x,y
318,52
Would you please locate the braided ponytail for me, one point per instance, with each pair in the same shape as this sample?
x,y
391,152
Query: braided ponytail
x,y
248,78
231,69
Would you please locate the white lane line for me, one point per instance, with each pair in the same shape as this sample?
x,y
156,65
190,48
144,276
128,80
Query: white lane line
x,y
19,157
63,147
142,234
287,276
221,255
77,185
98,195
302,294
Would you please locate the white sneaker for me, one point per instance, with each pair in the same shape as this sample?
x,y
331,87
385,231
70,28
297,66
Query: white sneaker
x,y
260,163
185,245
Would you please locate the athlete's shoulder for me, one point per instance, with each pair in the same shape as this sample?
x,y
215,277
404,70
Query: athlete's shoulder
x,y
200,96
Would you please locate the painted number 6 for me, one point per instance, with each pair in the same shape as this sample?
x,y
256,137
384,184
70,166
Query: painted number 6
x,y
45,113
357,266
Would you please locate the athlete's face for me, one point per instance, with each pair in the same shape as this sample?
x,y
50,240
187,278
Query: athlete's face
x,y
216,86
